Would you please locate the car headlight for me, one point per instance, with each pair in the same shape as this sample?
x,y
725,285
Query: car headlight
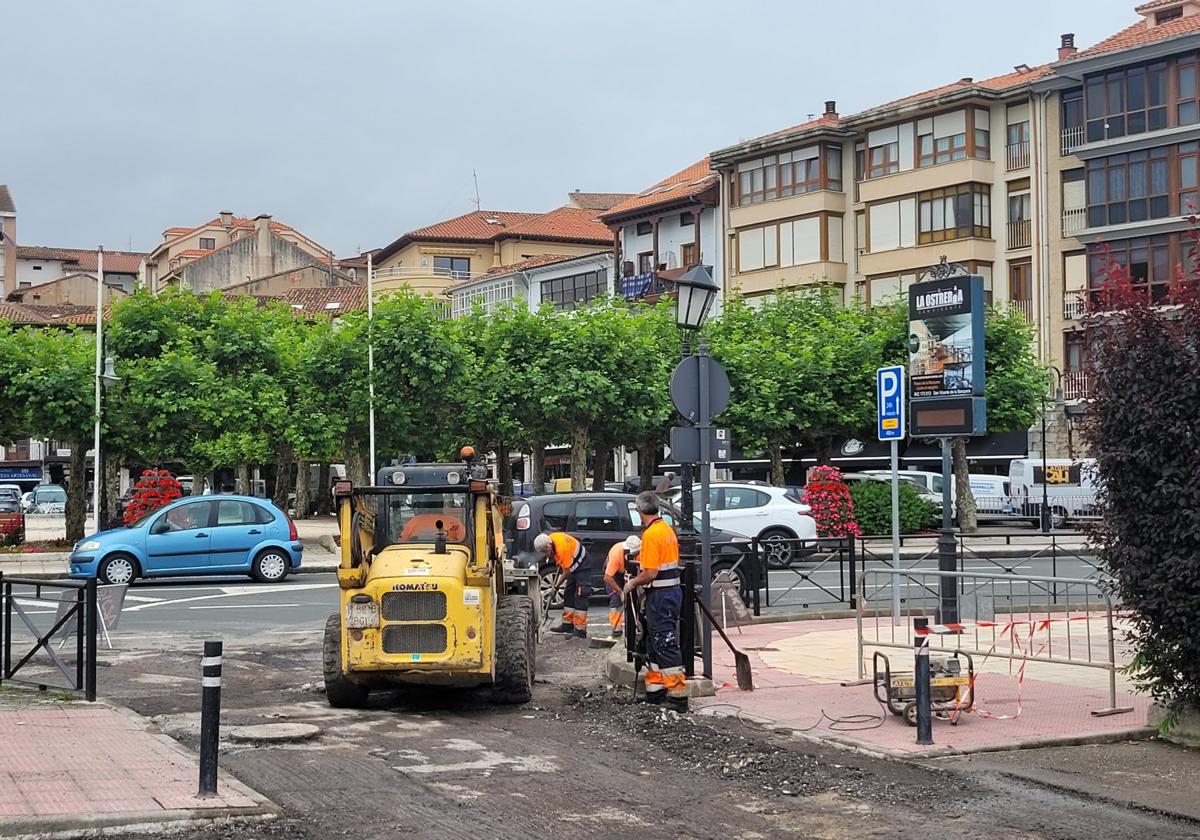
x,y
741,540
90,545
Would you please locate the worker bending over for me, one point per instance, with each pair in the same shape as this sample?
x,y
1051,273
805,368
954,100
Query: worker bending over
x,y
574,578
660,572
620,556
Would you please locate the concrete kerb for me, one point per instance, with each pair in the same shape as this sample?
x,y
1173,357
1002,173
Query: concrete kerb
x,y
68,827
621,673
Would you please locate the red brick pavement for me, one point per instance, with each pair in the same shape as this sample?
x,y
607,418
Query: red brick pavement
x,y
1051,712
87,761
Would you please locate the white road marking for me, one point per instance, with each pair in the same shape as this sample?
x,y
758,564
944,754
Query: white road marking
x,y
140,598
239,606
234,591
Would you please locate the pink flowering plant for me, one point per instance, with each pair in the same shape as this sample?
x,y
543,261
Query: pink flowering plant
x,y
829,498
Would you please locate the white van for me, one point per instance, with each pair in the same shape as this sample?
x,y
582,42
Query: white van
x,y
1070,489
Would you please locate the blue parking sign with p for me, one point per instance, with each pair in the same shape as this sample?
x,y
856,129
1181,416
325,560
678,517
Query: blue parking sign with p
x,y
889,396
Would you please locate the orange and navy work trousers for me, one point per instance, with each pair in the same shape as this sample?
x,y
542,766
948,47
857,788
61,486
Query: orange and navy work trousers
x,y
664,667
577,591
616,607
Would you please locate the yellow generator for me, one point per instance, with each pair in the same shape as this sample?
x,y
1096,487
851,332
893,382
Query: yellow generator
x,y
425,598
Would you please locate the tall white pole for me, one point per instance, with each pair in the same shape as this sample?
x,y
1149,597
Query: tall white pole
x,y
371,363
99,371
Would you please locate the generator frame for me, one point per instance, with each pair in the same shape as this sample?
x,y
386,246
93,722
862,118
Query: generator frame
x,y
897,690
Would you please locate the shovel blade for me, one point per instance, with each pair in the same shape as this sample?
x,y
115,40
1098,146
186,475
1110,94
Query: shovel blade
x,y
745,680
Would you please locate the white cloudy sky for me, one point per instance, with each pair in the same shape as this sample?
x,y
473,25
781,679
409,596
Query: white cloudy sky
x,y
359,119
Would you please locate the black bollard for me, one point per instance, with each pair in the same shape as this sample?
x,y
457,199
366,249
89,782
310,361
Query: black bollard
x,y
210,717
921,683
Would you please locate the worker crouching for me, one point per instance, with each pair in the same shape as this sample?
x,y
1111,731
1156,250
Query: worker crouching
x,y
574,579
620,567
660,578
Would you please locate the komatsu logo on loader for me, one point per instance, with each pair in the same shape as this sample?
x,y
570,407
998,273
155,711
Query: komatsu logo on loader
x,y
415,587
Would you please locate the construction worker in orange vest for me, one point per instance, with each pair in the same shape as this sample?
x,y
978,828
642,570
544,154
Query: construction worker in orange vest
x,y
620,556
574,578
660,576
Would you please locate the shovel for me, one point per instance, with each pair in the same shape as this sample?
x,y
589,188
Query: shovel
x,y
741,662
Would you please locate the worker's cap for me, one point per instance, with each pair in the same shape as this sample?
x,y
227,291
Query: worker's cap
x,y
541,543
633,543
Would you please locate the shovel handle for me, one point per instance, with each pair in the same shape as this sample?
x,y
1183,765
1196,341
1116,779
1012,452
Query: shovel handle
x,y
713,620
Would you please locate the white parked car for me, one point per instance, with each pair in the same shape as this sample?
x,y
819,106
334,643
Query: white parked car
x,y
771,514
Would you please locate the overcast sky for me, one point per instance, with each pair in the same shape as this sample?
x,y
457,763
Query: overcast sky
x,y
357,120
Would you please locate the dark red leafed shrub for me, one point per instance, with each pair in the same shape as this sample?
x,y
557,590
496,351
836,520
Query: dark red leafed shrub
x,y
1142,428
153,490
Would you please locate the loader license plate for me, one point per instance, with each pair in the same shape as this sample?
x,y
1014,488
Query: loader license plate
x,y
359,616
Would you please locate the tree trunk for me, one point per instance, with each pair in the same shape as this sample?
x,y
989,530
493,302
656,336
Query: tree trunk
x,y
283,475
301,488
77,492
537,455
112,485
579,453
324,490
243,479
504,469
646,454
600,464
775,450
357,466
964,500
824,451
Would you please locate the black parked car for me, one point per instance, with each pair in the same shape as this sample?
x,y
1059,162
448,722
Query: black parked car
x,y
600,520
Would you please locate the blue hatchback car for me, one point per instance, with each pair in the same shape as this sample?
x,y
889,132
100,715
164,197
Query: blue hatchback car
x,y
218,535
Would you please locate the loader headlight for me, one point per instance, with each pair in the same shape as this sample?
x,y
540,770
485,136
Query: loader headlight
x,y
362,613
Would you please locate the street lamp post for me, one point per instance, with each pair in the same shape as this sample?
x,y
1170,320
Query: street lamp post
x,y
105,377
1059,402
695,292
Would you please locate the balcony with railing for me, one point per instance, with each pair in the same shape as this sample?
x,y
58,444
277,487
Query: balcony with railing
x,y
1017,155
1074,305
1024,306
1074,220
648,286
1072,138
1076,384
1019,234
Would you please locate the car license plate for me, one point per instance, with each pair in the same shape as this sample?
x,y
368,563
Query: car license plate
x,y
359,616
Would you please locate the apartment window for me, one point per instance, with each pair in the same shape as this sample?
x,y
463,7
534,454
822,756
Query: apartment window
x,y
645,262
207,243
942,139
1168,15
1128,188
689,255
37,268
954,213
1189,198
1074,202
1020,280
1020,212
570,292
799,172
1124,102
789,173
489,297
1150,262
644,228
795,242
1187,111
1074,350
686,219
1017,147
23,284
452,266
981,122
883,159
833,168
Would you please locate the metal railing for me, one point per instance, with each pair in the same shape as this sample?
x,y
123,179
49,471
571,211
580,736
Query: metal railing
x,y
405,271
1074,220
1019,234
1074,305
1072,138
816,573
48,612
638,286
1017,155
1025,307
1000,616
1076,385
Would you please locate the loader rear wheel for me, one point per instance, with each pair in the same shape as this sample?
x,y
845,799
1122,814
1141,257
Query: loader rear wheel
x,y
516,649
339,691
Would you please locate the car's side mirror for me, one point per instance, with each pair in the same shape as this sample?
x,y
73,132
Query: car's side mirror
x,y
159,527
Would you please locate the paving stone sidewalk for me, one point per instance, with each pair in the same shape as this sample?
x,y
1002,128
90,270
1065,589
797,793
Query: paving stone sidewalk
x,y
73,767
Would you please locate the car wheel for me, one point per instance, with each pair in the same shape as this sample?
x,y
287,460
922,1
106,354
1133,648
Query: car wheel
x,y
736,573
1058,518
551,600
270,566
117,569
778,548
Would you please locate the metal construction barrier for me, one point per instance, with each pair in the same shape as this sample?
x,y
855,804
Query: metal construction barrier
x,y
812,573
39,613
1020,618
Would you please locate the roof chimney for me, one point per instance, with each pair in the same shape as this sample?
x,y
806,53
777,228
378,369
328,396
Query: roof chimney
x,y
1066,48
264,253
226,219
831,108
966,80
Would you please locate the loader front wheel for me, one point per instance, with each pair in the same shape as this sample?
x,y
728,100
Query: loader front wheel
x,y
339,691
516,649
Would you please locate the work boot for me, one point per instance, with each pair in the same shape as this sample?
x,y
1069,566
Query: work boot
x,y
565,627
677,704
655,698
580,632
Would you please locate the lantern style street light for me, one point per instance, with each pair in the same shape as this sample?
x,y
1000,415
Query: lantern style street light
x,y
695,292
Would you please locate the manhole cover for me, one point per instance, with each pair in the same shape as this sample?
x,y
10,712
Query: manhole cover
x,y
274,733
